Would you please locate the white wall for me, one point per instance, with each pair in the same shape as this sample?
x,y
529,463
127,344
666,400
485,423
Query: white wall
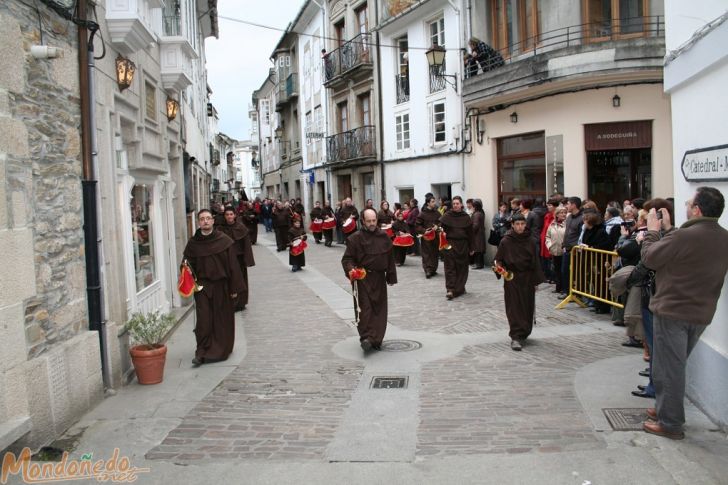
x,y
685,18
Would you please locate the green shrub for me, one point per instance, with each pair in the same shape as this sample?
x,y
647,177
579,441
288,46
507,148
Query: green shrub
x,y
149,329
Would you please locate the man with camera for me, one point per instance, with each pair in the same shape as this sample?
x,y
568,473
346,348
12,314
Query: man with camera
x,y
690,265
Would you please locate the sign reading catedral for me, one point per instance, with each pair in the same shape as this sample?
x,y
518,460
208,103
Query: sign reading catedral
x,y
706,164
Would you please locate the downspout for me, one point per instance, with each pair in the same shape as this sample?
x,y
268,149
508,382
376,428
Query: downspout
x,y
380,129
325,98
462,118
89,151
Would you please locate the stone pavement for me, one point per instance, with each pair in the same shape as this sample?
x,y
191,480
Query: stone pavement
x,y
294,403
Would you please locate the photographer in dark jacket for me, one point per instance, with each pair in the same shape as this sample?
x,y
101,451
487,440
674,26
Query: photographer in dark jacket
x,y
571,236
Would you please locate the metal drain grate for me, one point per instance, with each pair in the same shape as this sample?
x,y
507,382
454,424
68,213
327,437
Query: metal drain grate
x,y
400,345
389,382
626,419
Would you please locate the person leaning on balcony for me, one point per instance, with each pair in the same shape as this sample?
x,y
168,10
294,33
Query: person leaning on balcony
x,y
485,55
690,266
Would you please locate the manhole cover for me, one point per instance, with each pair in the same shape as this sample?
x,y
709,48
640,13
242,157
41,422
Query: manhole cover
x,y
389,382
626,419
400,345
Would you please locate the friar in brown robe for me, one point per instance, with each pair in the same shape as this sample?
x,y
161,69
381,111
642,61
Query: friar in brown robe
x,y
317,213
243,251
459,230
371,249
281,224
517,254
296,232
212,257
348,210
250,219
327,212
428,217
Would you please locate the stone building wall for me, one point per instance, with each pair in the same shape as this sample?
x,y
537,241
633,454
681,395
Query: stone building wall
x,y
50,368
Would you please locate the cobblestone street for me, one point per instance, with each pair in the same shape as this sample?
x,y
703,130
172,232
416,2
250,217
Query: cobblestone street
x,y
300,398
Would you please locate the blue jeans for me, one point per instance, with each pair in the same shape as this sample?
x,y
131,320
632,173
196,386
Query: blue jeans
x,y
268,222
649,332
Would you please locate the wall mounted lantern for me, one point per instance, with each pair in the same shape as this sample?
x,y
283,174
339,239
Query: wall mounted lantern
x,y
172,108
125,70
481,130
436,60
616,101
514,117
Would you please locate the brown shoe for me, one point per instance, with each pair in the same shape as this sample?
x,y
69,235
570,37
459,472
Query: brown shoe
x,y
652,414
653,427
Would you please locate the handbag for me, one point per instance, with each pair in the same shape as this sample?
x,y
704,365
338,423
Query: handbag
x,y
494,238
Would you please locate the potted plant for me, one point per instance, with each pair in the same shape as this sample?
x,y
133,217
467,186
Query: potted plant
x,y
148,353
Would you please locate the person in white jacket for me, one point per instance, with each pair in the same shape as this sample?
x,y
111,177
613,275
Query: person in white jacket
x,y
554,243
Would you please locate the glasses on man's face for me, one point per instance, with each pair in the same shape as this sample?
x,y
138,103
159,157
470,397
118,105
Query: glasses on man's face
x,y
205,219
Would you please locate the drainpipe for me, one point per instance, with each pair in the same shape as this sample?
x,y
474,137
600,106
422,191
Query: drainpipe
x,y
92,239
460,104
325,97
380,129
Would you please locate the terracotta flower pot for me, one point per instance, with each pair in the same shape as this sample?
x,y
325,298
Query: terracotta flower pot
x,y
148,363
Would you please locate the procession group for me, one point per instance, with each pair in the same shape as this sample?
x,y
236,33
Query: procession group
x,y
679,285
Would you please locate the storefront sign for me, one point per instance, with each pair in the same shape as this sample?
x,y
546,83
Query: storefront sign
x,y
624,135
554,165
706,164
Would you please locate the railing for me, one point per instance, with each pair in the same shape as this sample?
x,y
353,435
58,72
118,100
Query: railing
x,y
352,144
172,25
353,53
437,80
581,34
403,88
589,273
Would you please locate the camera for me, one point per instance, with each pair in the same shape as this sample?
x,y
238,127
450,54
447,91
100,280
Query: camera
x,y
659,214
628,224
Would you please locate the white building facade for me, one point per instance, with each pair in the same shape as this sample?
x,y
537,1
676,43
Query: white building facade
x,y
421,110
696,74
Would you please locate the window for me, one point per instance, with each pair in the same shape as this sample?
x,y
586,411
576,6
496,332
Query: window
x,y
437,111
265,111
308,128
150,101
437,32
367,181
340,33
402,129
364,110
142,240
318,119
402,78
515,25
607,19
522,166
343,112
361,19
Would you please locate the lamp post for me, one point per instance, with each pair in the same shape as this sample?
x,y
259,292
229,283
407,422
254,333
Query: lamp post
x,y
436,60
125,70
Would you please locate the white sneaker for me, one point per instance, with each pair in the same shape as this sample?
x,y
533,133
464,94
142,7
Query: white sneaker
x,y
516,345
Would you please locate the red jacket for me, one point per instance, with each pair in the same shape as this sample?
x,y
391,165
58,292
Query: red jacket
x,y
547,220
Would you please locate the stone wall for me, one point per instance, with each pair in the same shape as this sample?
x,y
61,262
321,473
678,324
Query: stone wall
x,y
49,365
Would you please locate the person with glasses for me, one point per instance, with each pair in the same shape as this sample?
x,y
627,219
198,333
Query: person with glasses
x,y
690,266
213,258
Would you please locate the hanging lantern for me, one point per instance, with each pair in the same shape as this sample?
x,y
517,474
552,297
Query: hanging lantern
x,y
172,108
125,70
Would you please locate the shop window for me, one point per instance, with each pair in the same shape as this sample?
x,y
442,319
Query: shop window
x,y
522,166
142,239
405,195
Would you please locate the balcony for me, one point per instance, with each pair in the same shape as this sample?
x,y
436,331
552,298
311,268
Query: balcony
x,y
403,88
176,55
354,144
353,56
131,24
583,56
287,91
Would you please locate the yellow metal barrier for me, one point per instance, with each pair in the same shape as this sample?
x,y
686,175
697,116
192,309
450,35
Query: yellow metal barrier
x,y
589,272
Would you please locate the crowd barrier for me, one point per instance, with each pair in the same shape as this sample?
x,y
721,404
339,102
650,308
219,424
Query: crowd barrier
x,y
589,273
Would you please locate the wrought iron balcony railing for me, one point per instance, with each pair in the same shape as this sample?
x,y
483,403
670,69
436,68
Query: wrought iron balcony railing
x,y
573,35
354,53
403,88
350,145
437,80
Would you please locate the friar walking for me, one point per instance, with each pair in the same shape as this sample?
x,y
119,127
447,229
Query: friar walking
x,y
370,249
237,231
459,230
517,254
212,257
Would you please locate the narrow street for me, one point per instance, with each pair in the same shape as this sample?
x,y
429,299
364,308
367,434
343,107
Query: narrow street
x,y
295,403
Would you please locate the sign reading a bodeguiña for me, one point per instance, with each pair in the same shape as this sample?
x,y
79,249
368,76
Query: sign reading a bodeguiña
x,y
706,164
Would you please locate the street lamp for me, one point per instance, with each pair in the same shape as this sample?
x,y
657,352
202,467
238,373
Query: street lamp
x,y
436,60
125,70
514,117
172,108
616,101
